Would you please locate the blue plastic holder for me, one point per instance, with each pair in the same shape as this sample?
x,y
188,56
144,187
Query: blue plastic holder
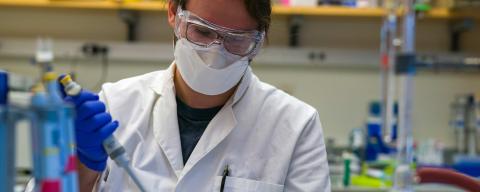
x,y
67,137
468,165
3,87
375,144
7,139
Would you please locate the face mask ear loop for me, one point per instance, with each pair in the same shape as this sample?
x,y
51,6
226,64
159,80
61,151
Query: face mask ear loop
x,y
175,39
177,24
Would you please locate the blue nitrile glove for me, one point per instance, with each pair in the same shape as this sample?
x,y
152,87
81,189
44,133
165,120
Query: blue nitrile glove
x,y
92,126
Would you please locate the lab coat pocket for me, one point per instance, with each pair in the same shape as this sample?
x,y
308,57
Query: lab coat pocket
x,y
236,184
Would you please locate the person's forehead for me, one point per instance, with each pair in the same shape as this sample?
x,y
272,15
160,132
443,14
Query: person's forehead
x,y
227,13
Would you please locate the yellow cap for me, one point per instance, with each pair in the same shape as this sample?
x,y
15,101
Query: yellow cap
x,y
49,76
65,80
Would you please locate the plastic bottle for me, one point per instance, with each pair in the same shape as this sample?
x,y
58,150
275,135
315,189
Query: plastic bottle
x,y
373,132
7,172
67,134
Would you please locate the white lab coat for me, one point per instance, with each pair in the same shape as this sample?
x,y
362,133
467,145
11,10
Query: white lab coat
x,y
271,141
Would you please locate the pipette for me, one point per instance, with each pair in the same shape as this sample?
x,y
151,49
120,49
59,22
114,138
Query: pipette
x,y
113,148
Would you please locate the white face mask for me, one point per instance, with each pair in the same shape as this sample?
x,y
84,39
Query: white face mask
x,y
210,71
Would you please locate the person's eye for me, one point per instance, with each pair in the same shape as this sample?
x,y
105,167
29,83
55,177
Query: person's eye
x,y
238,40
203,31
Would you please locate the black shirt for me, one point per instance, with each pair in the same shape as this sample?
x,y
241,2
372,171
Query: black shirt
x,y
192,123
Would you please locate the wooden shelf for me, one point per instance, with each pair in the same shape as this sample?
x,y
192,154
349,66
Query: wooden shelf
x,y
334,11
146,6
328,11
87,4
440,13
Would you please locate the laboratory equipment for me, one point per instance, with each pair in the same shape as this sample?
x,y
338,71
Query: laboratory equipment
x,y
48,169
471,127
394,132
477,118
357,142
423,5
3,87
7,172
39,98
388,51
303,2
60,128
51,123
45,126
375,144
469,165
374,140
113,148
369,182
457,122
52,128
375,174
67,139
367,3
449,177
346,175
406,65
464,120
403,178
430,153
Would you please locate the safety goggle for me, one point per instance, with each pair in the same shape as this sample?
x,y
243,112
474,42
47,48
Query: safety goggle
x,y
204,33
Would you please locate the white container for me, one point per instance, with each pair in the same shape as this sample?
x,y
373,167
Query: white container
x,y
367,3
303,2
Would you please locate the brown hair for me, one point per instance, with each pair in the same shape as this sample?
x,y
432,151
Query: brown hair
x,y
260,10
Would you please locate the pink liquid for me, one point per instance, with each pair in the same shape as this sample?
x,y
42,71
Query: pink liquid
x,y
285,2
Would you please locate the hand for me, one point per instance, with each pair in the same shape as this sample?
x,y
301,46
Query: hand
x,y
92,126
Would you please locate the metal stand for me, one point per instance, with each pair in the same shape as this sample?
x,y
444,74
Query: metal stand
x,y
407,63
388,51
403,178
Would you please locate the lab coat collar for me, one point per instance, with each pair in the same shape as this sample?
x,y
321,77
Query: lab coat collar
x,y
164,119
163,82
243,86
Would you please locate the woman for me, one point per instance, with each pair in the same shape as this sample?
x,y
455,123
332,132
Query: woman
x,y
207,123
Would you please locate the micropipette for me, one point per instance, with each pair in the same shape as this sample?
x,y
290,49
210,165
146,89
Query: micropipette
x,y
113,148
